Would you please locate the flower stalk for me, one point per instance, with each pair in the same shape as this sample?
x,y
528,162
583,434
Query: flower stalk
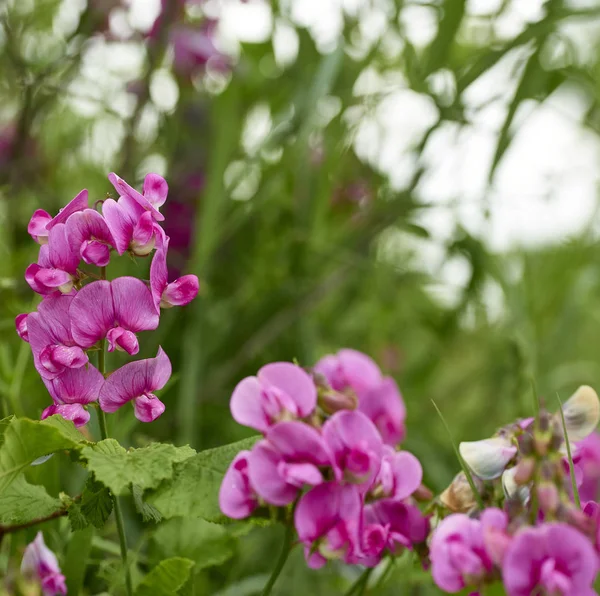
x,y
286,548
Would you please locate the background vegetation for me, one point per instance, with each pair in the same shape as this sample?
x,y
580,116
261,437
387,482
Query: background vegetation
x,y
307,212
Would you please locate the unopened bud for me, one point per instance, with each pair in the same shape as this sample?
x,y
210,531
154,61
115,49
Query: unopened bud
x,y
423,494
459,497
512,490
525,444
524,471
577,518
548,497
332,401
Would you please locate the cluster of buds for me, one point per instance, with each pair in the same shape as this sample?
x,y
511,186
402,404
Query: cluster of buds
x,y
329,454
81,309
531,533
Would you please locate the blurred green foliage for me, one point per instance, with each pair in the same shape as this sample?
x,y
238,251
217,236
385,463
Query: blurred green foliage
x,y
302,248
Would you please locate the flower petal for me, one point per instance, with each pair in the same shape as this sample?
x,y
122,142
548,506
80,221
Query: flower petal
x,y
361,372
487,458
148,408
384,406
78,203
158,272
124,189
133,305
298,442
181,292
119,223
60,252
75,412
76,385
156,189
246,404
582,413
92,313
37,225
294,381
407,472
21,325
236,496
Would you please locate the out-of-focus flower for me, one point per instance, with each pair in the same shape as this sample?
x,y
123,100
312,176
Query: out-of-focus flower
x,y
237,498
194,48
116,310
41,563
587,459
21,325
74,412
399,476
459,497
488,458
137,381
553,558
280,391
327,519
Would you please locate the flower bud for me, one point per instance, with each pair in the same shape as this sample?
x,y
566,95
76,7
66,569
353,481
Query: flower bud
x,y
511,489
459,497
423,494
548,497
489,457
526,446
524,471
332,401
582,413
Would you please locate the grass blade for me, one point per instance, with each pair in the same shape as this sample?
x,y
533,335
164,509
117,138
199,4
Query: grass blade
x,y
568,444
461,461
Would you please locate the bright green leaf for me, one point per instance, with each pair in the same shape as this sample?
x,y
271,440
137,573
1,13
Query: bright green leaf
x,y
148,512
166,578
22,502
194,490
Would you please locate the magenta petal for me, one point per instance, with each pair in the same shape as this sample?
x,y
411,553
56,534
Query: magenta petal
x,y
263,472
60,251
121,339
361,371
92,313
119,223
75,412
159,273
148,408
408,474
54,310
21,325
124,189
52,279
299,442
133,305
246,404
384,406
79,203
236,497
181,292
294,381
95,253
41,563
156,189
135,379
76,385
37,225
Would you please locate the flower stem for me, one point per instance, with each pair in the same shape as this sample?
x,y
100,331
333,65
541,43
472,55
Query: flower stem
x,y
358,587
286,547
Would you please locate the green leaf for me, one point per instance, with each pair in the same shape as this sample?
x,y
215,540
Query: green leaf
x,y
194,489
26,440
117,468
78,552
96,503
166,578
205,543
148,512
22,502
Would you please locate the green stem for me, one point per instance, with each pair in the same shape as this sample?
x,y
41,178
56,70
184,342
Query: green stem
x,y
358,587
286,547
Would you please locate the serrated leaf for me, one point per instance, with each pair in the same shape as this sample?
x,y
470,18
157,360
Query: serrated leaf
x,y
194,489
96,503
76,518
21,502
203,542
117,468
166,578
147,511
27,440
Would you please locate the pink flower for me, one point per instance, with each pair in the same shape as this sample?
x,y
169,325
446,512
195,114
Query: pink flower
x,y
355,446
90,237
390,525
399,476
57,264
194,48
137,381
237,498
154,196
459,557
52,344
177,293
327,519
280,391
378,396
587,460
75,386
74,412
116,310
42,222
21,325
40,562
290,457
553,558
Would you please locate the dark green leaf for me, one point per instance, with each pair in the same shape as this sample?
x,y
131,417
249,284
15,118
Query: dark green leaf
x,y
147,511
166,578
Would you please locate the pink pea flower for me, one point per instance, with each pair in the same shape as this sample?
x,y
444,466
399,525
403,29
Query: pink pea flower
x,y
21,325
378,396
136,381
57,264
591,525
280,391
356,447
154,193
287,460
90,237
116,310
52,344
459,557
327,519
40,562
393,526
237,498
194,48
177,293
553,558
587,460
400,475
42,222
74,412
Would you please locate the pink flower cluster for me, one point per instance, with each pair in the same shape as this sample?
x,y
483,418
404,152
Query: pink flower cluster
x,y
329,447
80,309
40,563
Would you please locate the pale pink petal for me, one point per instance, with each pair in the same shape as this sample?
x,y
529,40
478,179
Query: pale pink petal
x,y
92,313
21,325
119,223
75,412
148,408
263,472
37,225
79,203
246,404
297,441
384,406
360,371
237,499
76,385
133,304
294,381
155,189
